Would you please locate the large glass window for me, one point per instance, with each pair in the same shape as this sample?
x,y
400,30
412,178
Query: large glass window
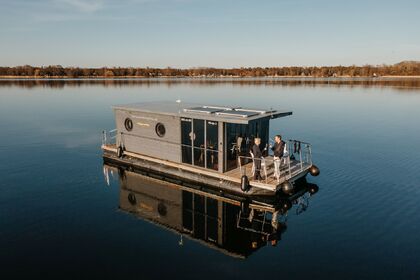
x,y
199,149
186,140
240,139
212,138
199,140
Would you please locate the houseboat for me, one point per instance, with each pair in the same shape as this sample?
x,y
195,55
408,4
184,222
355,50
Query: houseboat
x,y
189,143
230,224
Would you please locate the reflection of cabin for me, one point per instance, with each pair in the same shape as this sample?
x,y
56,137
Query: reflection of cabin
x,y
210,137
212,220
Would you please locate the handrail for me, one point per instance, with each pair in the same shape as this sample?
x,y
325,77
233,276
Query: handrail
x,y
109,137
296,151
303,142
263,222
303,159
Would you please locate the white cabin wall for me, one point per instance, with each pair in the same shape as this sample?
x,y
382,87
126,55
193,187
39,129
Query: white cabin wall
x,y
142,139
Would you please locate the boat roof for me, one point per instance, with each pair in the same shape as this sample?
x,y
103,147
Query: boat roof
x,y
229,114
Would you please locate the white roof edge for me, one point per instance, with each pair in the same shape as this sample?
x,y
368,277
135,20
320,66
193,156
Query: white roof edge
x,y
182,109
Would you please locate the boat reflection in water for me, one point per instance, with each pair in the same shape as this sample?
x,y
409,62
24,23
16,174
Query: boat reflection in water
x,y
234,225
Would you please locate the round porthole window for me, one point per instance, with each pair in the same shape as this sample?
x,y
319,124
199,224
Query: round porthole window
x,y
128,123
160,130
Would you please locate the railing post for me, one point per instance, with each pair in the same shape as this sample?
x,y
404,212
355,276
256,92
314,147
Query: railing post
x,y
104,140
310,155
300,158
288,161
307,153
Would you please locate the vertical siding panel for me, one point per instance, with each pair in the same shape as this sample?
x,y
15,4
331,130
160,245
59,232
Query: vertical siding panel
x,y
143,139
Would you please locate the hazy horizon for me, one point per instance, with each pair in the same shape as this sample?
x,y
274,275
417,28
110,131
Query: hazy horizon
x,y
209,67
222,34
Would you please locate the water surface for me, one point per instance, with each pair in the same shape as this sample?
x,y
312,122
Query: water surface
x,y
59,218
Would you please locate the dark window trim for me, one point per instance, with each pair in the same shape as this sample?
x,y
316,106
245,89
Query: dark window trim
x,y
128,123
158,131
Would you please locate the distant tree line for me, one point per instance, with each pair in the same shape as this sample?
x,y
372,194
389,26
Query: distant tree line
x,y
406,68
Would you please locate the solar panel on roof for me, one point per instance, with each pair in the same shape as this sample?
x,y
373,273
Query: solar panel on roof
x,y
251,110
236,112
205,110
243,114
220,108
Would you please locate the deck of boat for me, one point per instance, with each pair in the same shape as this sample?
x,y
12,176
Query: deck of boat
x,y
268,183
295,168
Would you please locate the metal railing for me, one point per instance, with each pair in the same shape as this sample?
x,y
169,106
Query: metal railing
x,y
297,157
109,137
257,221
302,149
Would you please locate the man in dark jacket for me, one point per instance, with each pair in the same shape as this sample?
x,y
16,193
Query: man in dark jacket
x,y
278,149
257,158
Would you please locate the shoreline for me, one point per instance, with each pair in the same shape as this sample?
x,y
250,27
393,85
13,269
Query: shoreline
x,y
201,77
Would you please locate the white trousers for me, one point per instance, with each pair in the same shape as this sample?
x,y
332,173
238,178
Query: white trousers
x,y
277,162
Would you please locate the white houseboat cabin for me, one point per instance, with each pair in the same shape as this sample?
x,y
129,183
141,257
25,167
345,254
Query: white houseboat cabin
x,y
205,144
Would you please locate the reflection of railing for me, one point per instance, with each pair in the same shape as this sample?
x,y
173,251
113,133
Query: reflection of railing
x,y
296,159
109,137
258,222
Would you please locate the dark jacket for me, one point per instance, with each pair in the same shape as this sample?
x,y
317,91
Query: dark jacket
x,y
278,148
256,151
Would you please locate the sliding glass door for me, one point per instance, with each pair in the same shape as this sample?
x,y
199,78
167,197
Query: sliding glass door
x,y
186,140
199,140
212,138
240,139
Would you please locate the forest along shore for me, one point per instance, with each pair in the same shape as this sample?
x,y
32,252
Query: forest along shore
x,y
398,70
198,77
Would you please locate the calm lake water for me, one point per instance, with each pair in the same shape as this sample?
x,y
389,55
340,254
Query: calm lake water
x,y
59,218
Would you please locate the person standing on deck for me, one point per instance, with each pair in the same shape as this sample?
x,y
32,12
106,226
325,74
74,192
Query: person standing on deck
x,y
257,158
278,149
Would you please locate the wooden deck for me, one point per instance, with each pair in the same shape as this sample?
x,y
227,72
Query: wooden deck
x,y
268,184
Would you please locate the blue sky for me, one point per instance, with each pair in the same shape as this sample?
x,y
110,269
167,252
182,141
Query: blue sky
x,y
196,33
